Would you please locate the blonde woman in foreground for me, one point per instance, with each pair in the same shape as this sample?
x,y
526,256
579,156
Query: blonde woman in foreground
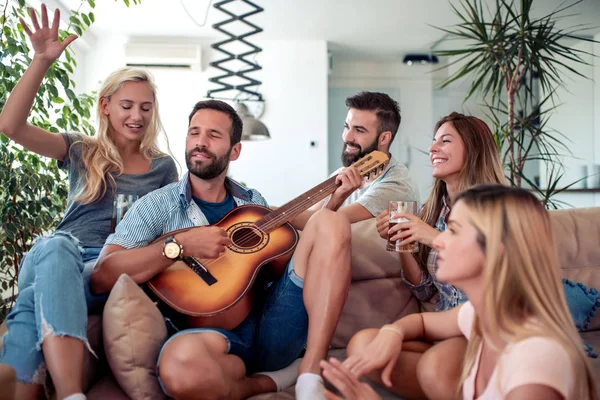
x,y
499,250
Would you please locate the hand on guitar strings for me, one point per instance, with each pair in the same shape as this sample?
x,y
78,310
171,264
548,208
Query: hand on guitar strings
x,y
204,242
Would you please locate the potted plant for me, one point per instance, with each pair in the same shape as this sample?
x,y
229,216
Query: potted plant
x,y
506,53
33,193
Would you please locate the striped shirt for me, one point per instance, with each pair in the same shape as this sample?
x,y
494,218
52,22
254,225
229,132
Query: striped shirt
x,y
168,209
448,295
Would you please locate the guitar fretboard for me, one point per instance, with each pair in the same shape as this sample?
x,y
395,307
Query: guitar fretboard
x,y
290,210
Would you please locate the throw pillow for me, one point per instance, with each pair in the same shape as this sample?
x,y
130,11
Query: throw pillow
x,y
583,304
134,332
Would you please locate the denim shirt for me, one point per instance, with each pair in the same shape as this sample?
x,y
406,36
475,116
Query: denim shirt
x,y
448,295
168,209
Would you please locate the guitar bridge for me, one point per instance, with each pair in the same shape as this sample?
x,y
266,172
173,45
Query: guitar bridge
x,y
200,270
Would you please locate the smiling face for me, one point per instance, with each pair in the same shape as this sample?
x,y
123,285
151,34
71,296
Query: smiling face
x,y
447,153
460,256
129,110
208,145
360,135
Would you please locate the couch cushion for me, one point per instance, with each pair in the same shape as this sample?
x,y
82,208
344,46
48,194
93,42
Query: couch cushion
x,y
134,332
372,304
577,237
370,259
583,304
374,271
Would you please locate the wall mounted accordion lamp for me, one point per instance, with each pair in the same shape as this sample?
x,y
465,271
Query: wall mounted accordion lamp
x,y
239,60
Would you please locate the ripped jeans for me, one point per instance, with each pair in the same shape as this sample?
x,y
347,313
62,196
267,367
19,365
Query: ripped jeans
x,y
54,298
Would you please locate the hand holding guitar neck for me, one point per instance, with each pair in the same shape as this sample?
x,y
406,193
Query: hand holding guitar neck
x,y
204,242
349,179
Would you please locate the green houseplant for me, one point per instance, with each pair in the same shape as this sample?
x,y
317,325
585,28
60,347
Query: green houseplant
x,y
33,192
506,53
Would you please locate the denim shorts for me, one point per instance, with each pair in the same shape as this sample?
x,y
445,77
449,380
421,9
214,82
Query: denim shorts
x,y
275,332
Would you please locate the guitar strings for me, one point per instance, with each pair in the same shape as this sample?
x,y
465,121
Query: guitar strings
x,y
329,186
249,236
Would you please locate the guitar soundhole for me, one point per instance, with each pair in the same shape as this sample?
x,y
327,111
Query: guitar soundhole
x,y
246,238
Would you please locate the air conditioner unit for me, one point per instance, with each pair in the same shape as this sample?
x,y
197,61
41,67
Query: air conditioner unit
x,y
163,55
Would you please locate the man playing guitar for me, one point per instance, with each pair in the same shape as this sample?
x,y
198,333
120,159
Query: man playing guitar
x,y
300,309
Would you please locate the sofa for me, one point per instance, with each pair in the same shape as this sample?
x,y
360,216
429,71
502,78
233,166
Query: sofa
x,y
377,296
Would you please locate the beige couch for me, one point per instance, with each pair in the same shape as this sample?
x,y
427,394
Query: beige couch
x,y
378,296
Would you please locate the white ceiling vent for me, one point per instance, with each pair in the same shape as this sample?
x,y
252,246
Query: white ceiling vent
x,y
163,55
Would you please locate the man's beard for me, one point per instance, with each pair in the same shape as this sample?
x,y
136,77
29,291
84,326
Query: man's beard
x,y
350,158
204,169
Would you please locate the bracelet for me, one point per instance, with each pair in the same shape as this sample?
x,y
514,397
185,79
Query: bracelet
x,y
393,329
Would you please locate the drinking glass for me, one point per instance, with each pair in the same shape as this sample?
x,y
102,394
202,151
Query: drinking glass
x,y
397,206
121,204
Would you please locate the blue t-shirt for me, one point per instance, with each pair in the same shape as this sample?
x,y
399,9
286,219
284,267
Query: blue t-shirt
x,y
215,211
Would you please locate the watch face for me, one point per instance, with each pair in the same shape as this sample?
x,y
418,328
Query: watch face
x,y
172,250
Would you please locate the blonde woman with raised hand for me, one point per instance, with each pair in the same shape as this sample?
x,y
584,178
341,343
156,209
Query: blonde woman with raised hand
x,y
500,251
47,326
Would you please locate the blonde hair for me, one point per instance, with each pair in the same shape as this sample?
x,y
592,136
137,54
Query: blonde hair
x,y
99,154
522,279
481,165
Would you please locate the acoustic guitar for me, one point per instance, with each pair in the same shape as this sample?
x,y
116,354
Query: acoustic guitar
x,y
219,292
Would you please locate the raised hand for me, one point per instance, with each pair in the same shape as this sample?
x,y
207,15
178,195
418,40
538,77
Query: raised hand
x,y
45,40
413,230
381,353
346,383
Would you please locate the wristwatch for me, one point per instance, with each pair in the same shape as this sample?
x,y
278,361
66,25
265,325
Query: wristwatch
x,y
172,249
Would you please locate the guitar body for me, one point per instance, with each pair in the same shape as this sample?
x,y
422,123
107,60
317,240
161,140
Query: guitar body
x,y
218,293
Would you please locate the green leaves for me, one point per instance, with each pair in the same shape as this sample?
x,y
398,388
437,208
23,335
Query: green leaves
x,y
504,52
33,193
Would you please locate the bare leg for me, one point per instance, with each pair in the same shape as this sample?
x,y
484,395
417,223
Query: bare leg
x,y
28,391
197,366
404,375
440,368
322,259
64,359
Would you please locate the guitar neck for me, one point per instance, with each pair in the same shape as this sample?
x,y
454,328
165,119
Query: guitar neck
x,y
290,210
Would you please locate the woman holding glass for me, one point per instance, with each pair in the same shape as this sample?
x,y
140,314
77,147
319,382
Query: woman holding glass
x,y
522,344
463,154
47,326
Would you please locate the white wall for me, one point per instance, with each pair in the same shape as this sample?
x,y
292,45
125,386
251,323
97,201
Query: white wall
x,y
414,87
294,86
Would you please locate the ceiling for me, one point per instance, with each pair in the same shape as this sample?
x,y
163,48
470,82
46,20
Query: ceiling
x,y
354,29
